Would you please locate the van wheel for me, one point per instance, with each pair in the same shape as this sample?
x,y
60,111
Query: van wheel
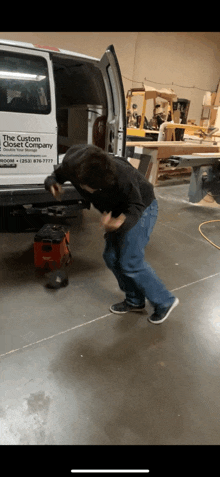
x,y
12,223
2,219
9,222
5,219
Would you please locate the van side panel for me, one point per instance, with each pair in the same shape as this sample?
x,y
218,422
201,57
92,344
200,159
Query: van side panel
x,y
28,129
26,159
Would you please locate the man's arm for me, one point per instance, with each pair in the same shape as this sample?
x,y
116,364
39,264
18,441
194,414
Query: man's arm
x,y
133,212
130,216
57,177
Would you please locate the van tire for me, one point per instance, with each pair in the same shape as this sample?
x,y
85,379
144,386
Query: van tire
x,y
16,223
9,222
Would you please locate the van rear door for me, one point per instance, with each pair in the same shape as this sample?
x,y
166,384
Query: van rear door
x,y
28,128
116,120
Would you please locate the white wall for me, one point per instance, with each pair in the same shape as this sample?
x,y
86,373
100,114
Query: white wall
x,y
188,59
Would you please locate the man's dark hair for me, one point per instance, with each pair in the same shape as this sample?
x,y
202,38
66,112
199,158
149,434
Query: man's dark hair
x,y
93,167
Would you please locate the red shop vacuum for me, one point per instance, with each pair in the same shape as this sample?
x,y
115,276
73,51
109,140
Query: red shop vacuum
x,y
52,252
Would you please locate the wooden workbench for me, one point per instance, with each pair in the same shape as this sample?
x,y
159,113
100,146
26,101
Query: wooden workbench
x,y
157,150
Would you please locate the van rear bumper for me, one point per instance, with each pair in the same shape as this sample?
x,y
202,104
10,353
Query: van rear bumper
x,y
17,195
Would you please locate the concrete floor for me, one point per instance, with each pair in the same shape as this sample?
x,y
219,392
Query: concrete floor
x,y
73,373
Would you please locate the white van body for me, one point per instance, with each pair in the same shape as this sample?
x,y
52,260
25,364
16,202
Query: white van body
x,y
51,99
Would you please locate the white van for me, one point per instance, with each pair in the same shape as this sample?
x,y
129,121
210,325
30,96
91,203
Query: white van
x,y
51,99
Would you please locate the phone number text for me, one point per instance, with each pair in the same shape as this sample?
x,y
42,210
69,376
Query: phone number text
x,y
39,161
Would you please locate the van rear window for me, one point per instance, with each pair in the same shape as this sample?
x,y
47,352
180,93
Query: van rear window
x,y
24,84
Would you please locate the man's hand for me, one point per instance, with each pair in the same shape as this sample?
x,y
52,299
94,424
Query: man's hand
x,y
56,190
110,223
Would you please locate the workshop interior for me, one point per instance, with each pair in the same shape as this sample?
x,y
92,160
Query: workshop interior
x,y
73,373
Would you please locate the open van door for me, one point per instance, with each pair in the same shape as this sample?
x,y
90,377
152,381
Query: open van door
x,y
28,128
116,119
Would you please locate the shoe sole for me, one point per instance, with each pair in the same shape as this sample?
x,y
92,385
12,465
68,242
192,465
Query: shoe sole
x,y
176,302
124,312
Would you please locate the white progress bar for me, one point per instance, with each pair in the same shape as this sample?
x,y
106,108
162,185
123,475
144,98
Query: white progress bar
x,y
110,471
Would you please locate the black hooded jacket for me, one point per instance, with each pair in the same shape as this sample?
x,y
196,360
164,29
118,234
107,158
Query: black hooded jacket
x,y
131,194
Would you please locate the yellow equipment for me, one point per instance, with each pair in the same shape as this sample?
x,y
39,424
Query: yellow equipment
x,y
147,92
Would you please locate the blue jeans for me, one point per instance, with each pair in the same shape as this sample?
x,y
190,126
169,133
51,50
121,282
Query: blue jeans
x,y
125,259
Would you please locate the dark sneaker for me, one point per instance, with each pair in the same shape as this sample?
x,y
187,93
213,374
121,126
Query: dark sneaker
x,y
123,307
161,315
